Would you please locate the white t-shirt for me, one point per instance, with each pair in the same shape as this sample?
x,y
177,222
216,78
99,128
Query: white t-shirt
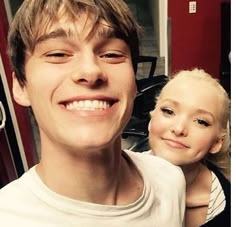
x,y
28,202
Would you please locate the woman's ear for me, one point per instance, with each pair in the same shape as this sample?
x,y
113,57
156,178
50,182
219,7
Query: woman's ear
x,y
217,145
149,125
19,92
151,115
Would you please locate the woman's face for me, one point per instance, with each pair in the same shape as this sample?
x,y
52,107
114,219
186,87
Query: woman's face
x,y
185,123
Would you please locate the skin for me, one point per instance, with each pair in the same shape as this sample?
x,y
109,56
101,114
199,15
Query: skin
x,y
82,91
185,127
185,123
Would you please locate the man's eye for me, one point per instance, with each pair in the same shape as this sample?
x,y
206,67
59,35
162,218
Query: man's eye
x,y
167,111
57,57
202,122
112,55
113,58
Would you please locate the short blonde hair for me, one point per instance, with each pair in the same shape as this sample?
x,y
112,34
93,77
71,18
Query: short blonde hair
x,y
222,158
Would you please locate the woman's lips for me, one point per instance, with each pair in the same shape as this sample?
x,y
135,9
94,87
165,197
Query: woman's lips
x,y
175,143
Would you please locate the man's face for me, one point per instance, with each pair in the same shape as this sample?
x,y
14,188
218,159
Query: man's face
x,y
81,90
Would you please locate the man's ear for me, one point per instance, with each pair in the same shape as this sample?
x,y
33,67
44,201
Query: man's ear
x,y
19,92
217,145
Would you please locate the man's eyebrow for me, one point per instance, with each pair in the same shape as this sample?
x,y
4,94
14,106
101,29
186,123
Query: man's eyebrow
x,y
59,33
107,33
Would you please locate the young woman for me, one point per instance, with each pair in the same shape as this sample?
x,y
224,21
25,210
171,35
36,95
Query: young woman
x,y
190,128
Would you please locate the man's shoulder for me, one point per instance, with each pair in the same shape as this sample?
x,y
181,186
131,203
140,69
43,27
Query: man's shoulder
x,y
164,181
142,158
11,197
15,191
9,189
156,167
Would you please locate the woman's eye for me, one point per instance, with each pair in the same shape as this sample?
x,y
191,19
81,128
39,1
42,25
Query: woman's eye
x,y
202,122
167,111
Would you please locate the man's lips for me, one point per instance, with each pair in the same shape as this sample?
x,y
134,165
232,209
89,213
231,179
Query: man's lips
x,y
176,143
88,104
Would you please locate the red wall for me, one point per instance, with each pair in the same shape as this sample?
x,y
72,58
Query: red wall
x,y
22,113
196,38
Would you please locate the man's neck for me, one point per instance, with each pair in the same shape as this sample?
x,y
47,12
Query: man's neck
x,y
103,177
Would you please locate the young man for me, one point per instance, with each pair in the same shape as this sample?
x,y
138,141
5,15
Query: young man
x,y
74,63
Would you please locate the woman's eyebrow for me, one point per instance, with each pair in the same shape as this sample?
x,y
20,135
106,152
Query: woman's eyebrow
x,y
201,111
198,111
176,103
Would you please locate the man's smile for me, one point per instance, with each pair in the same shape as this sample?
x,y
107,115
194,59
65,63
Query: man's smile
x,y
89,105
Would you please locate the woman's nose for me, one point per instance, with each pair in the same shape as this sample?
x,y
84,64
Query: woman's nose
x,y
89,72
179,128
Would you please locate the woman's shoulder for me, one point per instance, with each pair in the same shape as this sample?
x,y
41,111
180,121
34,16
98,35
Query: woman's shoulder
x,y
225,183
220,185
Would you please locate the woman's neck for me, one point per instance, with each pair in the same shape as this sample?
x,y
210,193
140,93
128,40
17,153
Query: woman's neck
x,y
191,172
198,185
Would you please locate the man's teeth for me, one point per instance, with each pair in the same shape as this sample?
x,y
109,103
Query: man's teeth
x,y
88,105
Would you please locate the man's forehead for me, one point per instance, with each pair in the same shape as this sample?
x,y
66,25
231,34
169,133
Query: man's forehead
x,y
79,29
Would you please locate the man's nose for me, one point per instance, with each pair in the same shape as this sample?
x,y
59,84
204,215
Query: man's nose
x,y
89,72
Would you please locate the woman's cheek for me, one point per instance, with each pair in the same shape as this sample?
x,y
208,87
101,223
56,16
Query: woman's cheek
x,y
157,126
